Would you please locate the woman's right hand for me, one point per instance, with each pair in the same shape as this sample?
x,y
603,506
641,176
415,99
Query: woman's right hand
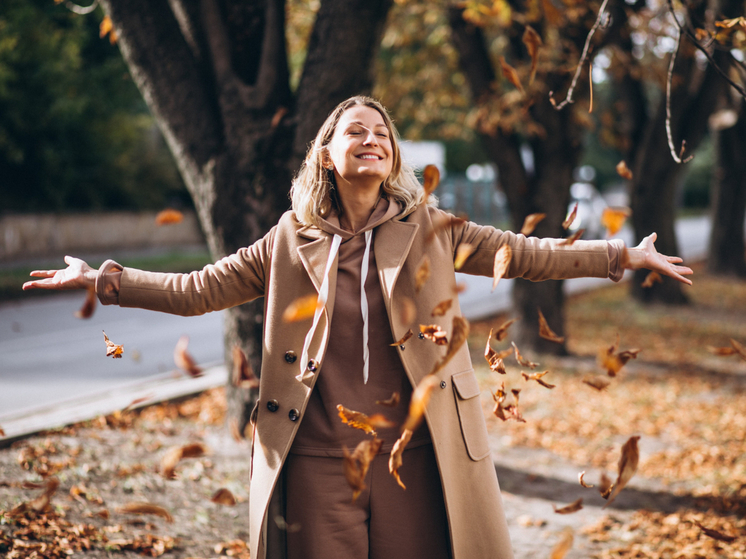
x,y
77,275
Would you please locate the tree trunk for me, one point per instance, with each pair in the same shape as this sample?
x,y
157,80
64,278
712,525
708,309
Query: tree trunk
x,y
214,73
727,248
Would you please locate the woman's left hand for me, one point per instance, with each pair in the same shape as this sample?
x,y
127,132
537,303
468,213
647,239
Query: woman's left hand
x,y
646,256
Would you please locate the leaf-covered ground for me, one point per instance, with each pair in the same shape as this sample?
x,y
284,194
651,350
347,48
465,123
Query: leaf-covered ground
x,y
686,500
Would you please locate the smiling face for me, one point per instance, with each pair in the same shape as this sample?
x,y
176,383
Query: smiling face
x,y
361,148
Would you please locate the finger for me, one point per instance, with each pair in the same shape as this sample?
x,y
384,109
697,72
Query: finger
x,y
43,273
683,270
653,236
674,259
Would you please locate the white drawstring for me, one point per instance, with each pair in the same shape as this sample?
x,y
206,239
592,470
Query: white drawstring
x,y
364,303
320,305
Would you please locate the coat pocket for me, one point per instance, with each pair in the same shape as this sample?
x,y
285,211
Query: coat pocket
x,y
470,415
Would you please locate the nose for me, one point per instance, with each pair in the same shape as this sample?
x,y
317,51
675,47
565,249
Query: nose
x,y
370,139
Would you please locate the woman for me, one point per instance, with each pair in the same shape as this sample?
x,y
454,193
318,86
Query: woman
x,y
359,229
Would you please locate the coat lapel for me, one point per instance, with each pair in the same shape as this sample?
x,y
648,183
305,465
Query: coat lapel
x,y
314,256
392,244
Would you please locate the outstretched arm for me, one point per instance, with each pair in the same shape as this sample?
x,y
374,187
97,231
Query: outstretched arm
x,y
646,256
77,275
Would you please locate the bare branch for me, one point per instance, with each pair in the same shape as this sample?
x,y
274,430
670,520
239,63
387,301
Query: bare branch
x,y
583,56
669,78
81,10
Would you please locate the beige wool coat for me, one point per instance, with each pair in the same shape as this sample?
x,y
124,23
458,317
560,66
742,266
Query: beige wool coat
x,y
289,262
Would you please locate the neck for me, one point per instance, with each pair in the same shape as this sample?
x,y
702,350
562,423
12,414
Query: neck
x,y
357,207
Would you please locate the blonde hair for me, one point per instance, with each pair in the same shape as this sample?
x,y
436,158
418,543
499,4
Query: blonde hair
x,y
312,190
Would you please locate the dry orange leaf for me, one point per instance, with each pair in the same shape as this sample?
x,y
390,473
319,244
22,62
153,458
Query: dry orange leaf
x,y
145,508
418,403
627,467
2,432
430,179
502,263
582,482
597,382
459,333
740,349
613,361
112,349
223,496
395,460
442,308
105,27
522,360
433,332
722,350
404,338
570,218
493,358
391,402
532,40
422,274
623,171
168,217
184,360
356,464
537,377
564,544
716,535
303,308
530,223
502,331
175,454
359,420
243,375
407,311
569,241
510,74
86,311
605,486
651,279
613,219
463,252
546,332
575,506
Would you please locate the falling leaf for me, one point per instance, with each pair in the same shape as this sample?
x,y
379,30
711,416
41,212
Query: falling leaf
x,y
532,40
418,402
283,525
112,349
605,486
2,432
442,308
716,535
86,311
613,219
395,459
722,350
511,410
303,308
463,252
407,311
243,376
391,402
175,454
546,332
510,74
223,496
145,508
502,262
502,332
651,279
493,358
359,420
184,360
537,377
404,338
582,482
569,241
169,217
623,171
433,332
422,274
530,223
564,544
459,334
627,467
740,349
278,116
597,382
431,179
356,464
570,218
575,506
522,360
613,361
499,397
105,28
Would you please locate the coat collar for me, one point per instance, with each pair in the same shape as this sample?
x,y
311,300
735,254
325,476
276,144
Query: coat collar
x,y
391,245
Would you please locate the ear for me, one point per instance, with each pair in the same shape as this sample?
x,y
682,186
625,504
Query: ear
x,y
326,160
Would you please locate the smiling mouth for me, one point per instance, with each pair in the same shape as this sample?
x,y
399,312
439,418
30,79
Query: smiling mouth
x,y
369,157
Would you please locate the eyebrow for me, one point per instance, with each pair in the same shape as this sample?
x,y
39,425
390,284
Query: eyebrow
x,y
361,124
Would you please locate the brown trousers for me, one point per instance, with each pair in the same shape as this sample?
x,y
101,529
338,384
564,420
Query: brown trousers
x,y
385,522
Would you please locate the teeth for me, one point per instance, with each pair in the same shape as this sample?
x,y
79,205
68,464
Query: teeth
x,y
368,157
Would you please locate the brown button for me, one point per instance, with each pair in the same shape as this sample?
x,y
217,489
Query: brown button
x,y
290,356
313,365
401,347
273,405
293,414
443,384
421,336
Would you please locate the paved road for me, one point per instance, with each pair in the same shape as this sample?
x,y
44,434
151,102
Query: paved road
x,y
51,361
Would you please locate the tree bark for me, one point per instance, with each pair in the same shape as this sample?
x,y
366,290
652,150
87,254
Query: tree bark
x,y
214,73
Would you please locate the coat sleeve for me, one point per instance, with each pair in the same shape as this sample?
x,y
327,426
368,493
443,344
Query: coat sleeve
x,y
537,259
233,280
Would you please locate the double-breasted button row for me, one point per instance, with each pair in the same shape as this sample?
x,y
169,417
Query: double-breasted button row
x,y
313,365
290,356
274,405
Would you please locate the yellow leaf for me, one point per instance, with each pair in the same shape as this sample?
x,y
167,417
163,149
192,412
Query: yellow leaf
x,y
431,179
463,252
358,420
575,506
303,308
570,218
546,332
530,223
168,217
395,460
422,274
501,265
112,349
442,308
404,338
613,219
356,464
623,171
627,467
651,279
418,403
105,27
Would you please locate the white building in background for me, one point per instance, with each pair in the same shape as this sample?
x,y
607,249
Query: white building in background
x,y
420,154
